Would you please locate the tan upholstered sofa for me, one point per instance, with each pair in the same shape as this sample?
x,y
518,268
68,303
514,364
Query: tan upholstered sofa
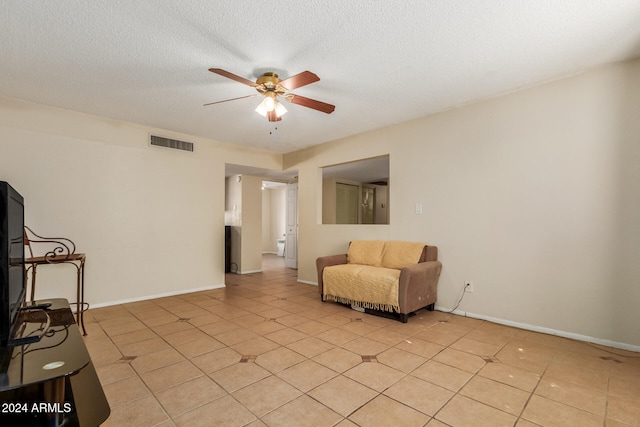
x,y
387,276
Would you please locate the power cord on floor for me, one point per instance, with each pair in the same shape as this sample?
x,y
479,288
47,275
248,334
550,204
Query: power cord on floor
x,y
464,290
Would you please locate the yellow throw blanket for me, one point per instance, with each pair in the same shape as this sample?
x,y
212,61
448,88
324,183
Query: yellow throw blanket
x,y
362,286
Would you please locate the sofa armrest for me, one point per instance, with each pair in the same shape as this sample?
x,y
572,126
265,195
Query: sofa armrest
x,y
327,261
418,285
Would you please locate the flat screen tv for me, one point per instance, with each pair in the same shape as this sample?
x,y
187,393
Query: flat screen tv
x,y
12,273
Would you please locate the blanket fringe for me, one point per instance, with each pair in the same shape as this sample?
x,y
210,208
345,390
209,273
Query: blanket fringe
x,y
362,304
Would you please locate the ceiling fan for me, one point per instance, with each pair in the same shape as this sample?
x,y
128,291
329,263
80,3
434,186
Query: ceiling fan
x,y
272,88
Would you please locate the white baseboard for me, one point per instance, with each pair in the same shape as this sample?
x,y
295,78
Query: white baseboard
x,y
541,329
249,272
162,295
307,282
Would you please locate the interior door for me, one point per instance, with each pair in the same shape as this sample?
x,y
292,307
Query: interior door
x,y
346,203
291,244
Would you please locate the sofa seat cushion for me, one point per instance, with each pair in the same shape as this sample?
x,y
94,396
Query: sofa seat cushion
x,y
362,286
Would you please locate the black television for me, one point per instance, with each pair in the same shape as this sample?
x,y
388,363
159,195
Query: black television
x,y
12,272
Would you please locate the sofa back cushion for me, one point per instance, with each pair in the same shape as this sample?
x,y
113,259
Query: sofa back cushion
x,y
366,252
399,254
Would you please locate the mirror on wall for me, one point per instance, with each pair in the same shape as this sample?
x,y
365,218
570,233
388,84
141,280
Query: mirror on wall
x,y
356,192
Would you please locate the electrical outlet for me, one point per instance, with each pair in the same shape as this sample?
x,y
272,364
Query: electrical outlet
x,y
468,286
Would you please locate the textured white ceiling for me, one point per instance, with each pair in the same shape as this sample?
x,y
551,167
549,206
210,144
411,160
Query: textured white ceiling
x,y
380,62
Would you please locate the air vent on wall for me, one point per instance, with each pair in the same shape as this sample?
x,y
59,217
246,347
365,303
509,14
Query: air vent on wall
x,y
170,143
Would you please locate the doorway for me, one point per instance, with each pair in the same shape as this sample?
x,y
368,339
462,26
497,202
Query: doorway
x,y
245,200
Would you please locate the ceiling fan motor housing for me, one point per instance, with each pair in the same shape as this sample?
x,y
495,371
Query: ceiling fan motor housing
x,y
268,80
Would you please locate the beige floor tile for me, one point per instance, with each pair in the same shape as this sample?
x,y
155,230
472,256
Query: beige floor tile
x,y
303,408
164,319
365,346
478,348
338,359
265,327
235,336
266,395
279,359
337,336
460,359
312,327
401,360
310,346
383,411
225,411
374,375
358,327
250,319
426,397
255,346
140,348
550,413
292,320
435,423
578,374
239,375
511,375
334,319
624,409
343,395
307,375
199,346
114,372
171,375
492,335
587,399
286,336
133,337
189,395
500,396
438,336
183,337
125,391
420,347
151,361
303,361
103,352
526,356
462,411
121,325
204,319
216,360
625,379
143,412
443,375
388,336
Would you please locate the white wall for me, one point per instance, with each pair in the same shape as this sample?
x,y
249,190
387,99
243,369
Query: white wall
x,y
151,220
533,196
274,206
251,234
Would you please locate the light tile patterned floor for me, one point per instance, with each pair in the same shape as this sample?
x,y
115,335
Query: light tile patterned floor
x,y
266,351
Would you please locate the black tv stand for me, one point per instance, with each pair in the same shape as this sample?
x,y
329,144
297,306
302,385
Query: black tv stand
x,y
50,382
35,306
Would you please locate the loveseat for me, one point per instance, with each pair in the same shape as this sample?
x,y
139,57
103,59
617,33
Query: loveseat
x,y
382,276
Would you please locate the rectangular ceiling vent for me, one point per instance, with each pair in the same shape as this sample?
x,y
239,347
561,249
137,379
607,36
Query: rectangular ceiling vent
x,y
160,141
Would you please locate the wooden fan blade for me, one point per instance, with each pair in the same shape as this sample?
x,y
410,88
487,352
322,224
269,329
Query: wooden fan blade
x,y
232,76
310,103
299,80
232,99
272,117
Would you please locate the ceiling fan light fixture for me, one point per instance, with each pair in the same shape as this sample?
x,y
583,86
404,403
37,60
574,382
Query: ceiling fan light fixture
x,y
261,110
267,105
280,109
